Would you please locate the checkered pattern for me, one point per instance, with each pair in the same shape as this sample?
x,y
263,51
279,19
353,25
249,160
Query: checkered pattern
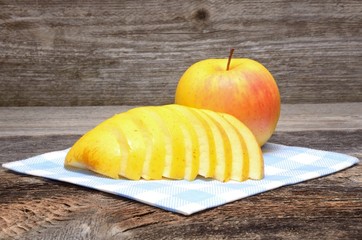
x,y
284,165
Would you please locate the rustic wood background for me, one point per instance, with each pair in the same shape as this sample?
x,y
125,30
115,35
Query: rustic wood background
x,y
68,53
76,57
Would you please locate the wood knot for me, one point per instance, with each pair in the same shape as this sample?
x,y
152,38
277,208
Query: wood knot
x,y
201,15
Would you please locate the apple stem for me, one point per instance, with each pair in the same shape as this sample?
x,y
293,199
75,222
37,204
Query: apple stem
x,y
229,60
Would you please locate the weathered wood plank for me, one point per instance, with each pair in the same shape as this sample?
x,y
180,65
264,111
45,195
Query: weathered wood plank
x,y
30,121
324,208
34,121
60,53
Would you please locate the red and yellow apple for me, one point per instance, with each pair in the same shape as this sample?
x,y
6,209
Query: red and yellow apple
x,y
241,87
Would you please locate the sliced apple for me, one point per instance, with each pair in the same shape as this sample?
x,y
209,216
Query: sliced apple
x,y
255,155
222,147
239,159
206,143
100,150
175,168
171,141
131,167
192,143
156,149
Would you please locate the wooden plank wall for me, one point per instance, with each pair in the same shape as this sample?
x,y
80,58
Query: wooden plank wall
x,y
67,53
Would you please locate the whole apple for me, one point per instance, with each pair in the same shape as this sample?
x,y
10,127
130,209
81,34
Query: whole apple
x,y
241,87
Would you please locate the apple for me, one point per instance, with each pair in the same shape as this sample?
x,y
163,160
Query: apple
x,y
240,87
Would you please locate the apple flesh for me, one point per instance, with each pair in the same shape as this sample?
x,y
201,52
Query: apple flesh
x,y
241,87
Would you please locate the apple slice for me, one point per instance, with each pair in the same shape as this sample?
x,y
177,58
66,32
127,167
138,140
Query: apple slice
x,y
103,157
175,168
239,161
224,151
131,166
222,147
206,143
192,146
156,149
255,155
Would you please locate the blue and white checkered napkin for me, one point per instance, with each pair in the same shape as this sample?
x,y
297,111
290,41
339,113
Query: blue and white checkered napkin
x,y
284,165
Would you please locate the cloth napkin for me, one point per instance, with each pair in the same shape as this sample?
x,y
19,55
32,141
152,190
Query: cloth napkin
x,y
284,165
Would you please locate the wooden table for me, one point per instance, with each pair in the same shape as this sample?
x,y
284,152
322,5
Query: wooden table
x,y
35,208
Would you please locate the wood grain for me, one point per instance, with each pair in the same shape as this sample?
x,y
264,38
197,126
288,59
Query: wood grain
x,y
70,53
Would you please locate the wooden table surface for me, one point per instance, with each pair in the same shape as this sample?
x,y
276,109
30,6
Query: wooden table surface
x,y
35,208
